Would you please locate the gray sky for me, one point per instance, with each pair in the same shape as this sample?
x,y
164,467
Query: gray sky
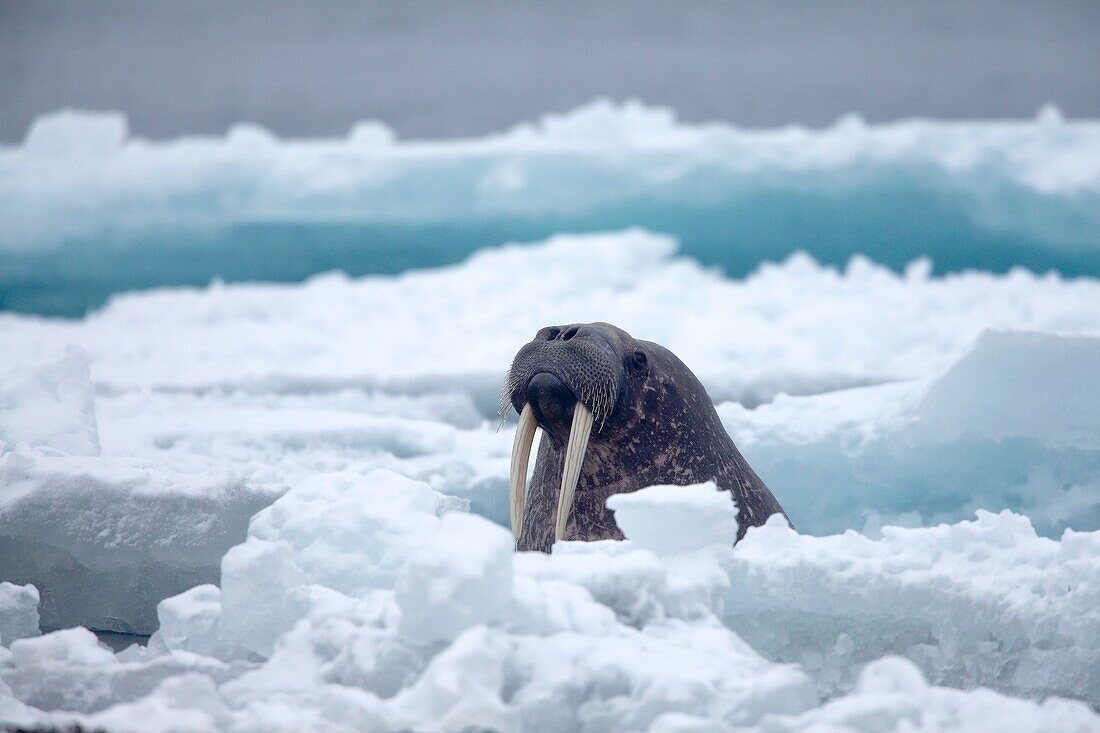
x,y
435,69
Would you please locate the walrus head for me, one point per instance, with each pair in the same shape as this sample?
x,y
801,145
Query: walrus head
x,y
617,415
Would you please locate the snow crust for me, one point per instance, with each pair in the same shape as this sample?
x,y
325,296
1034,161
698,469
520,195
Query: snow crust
x,y
275,479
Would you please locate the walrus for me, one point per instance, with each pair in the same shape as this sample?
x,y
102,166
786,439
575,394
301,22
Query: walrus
x,y
617,414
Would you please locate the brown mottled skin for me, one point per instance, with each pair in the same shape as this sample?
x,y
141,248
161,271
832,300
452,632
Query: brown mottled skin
x,y
661,429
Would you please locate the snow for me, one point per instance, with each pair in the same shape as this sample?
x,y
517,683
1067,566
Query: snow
x,y
534,642
461,576
301,492
1012,424
18,612
891,695
703,512
76,647
983,602
50,406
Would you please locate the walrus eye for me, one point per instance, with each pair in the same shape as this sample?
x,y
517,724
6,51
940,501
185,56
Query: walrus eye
x,y
640,360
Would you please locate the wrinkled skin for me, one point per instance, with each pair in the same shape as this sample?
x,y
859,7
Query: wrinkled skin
x,y
654,424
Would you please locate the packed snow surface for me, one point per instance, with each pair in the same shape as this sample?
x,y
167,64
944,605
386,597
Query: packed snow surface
x,y
301,491
374,603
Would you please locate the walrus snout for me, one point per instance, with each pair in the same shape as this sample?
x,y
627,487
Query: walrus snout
x,y
585,366
552,401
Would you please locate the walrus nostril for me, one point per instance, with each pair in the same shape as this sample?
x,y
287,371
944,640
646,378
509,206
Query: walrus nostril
x,y
552,333
570,333
552,401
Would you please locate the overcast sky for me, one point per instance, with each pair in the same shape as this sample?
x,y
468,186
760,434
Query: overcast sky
x,y
433,69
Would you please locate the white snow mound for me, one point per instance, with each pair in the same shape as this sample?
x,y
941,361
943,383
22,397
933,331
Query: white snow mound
x,y
430,622
50,406
18,612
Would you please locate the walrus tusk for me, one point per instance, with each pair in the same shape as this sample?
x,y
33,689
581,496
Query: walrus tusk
x,y
574,457
517,474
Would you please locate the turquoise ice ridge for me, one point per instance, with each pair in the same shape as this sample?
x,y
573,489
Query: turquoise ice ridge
x,y
89,210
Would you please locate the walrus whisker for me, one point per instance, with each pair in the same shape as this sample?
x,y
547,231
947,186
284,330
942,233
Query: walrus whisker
x,y
517,473
574,458
510,382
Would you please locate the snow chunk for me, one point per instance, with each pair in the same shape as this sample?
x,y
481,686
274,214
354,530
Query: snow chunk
x,y
628,678
342,532
459,577
1019,385
673,519
188,702
18,612
105,538
70,132
614,682
50,406
76,647
462,687
189,621
353,532
257,606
